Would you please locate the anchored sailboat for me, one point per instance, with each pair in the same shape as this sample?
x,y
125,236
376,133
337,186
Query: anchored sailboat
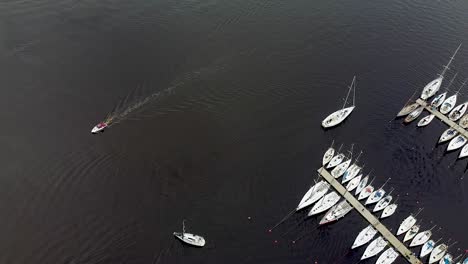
x,y
188,238
339,116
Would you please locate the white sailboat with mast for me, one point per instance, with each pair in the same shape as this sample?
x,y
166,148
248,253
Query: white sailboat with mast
x,y
327,157
438,100
431,88
191,239
339,116
450,102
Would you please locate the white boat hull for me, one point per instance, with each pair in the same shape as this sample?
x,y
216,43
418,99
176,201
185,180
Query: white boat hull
x,y
335,161
438,100
375,196
421,238
425,120
414,115
328,156
190,239
458,112
448,135
337,117
352,184
382,204
366,192
456,143
361,185
340,169
427,248
407,109
448,104
387,257
336,212
324,204
431,88
406,225
350,173
313,194
463,152
438,253
389,210
411,233
364,236
374,248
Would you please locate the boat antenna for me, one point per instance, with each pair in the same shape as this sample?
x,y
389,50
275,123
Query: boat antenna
x,y
333,141
451,245
340,147
351,151
391,190
357,159
349,91
398,196
446,67
385,182
451,81
463,84
433,227
420,209
183,227
354,90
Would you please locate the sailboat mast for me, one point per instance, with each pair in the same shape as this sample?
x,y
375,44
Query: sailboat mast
x,y
446,67
349,92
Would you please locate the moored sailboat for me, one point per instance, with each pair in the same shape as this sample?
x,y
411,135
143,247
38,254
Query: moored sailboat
x,y
339,116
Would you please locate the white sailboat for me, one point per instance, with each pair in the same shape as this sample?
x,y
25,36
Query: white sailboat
x,y
463,121
327,157
421,238
426,120
382,204
340,169
366,192
352,184
376,195
458,112
431,88
406,225
456,143
447,259
438,100
313,194
389,210
448,135
411,233
388,256
374,248
408,109
339,116
325,203
463,152
337,159
336,212
352,170
414,115
437,253
427,248
362,184
450,102
364,236
188,238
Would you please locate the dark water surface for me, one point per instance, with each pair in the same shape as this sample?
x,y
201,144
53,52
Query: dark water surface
x,y
235,133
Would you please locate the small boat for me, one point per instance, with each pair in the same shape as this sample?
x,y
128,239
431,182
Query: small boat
x,y
427,248
364,236
411,233
447,259
325,203
431,88
339,116
463,121
421,238
336,212
375,196
388,256
374,248
99,127
340,169
448,135
366,192
413,115
352,184
465,261
188,238
456,143
438,100
437,253
389,210
463,152
458,112
406,225
382,204
407,109
426,120
362,184
337,159
351,173
448,104
313,194
327,157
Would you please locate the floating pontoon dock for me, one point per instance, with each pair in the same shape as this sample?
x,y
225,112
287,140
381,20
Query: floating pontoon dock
x,y
442,117
394,242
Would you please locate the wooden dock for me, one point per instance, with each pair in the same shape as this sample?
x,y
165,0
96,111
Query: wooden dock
x,y
442,117
397,244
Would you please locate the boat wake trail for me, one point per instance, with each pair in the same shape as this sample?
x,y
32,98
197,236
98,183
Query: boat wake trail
x,y
128,107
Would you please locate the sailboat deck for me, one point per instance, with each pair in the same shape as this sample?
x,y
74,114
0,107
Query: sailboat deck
x,y
443,117
397,244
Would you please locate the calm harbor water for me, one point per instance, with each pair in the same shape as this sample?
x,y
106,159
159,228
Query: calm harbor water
x,y
234,133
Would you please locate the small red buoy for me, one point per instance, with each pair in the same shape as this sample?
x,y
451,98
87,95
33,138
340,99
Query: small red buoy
x,y
269,230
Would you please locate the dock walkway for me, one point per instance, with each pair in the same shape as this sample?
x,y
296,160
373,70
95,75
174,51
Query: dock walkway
x,y
397,244
442,117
